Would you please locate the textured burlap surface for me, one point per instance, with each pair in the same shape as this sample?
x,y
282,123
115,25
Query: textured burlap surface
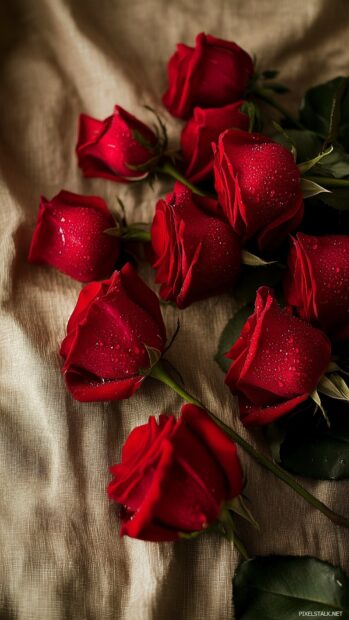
x,y
61,557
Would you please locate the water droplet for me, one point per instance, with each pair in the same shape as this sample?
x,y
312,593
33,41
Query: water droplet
x,y
61,232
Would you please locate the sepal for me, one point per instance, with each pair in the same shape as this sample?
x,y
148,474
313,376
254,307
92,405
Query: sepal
x,y
253,112
334,386
192,535
307,165
317,400
228,529
239,507
310,188
154,356
247,258
157,150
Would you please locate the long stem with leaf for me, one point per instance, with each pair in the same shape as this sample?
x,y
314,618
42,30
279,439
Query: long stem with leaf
x,y
158,372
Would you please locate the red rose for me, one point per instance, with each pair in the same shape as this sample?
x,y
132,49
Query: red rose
x,y
107,334
278,361
317,282
213,74
69,235
196,253
201,130
175,476
114,147
258,186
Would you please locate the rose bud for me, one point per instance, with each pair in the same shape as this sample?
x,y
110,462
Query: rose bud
x,y
201,130
317,282
175,476
213,74
69,235
278,361
120,148
258,186
105,350
196,253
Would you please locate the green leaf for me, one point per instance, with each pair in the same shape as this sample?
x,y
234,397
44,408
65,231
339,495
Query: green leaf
x,y
230,334
335,116
306,143
308,146
279,587
337,199
318,457
310,188
325,110
305,445
335,164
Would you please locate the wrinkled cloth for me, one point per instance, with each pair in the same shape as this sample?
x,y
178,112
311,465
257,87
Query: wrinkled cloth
x,y
61,557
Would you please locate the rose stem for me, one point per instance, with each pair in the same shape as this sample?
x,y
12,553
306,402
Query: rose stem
x,y
158,372
329,181
136,234
263,95
170,170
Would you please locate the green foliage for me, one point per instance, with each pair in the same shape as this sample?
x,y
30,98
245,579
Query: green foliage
x,y
275,587
304,444
325,110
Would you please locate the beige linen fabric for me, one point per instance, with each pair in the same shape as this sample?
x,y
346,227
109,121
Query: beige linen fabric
x,y
61,557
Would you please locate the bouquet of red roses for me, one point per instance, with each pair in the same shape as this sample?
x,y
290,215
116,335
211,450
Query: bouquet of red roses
x,y
257,210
